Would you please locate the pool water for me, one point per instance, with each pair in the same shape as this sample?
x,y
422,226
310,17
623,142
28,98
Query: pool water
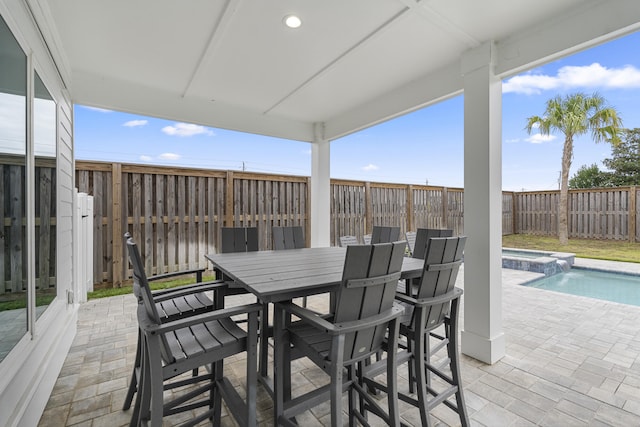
x,y
616,287
523,254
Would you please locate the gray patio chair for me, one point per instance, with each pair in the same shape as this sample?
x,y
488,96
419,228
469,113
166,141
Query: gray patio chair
x,y
383,234
171,304
348,240
239,239
341,342
290,237
175,347
434,302
422,238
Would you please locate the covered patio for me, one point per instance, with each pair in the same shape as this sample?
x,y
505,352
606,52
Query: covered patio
x,y
571,361
233,64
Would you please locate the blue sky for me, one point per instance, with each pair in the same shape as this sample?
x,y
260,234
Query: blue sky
x,y
424,146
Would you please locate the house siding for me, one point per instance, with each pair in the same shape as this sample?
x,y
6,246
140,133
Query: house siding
x,y
28,373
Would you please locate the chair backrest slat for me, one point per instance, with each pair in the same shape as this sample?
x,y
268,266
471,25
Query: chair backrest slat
x,y
382,234
356,300
239,239
445,254
422,238
288,237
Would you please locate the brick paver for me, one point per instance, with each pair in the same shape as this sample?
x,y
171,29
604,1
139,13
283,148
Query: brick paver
x,y
569,361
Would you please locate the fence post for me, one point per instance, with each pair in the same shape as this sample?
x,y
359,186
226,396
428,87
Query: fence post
x,y
117,236
368,208
410,213
445,208
228,206
633,212
514,214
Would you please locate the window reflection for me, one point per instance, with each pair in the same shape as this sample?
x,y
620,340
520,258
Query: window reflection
x,y
13,263
44,139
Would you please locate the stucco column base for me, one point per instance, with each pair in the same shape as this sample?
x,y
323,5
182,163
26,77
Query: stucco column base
x,y
485,350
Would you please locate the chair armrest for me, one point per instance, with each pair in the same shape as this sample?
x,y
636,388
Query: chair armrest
x,y
312,318
356,325
308,316
440,299
168,294
406,298
197,271
223,313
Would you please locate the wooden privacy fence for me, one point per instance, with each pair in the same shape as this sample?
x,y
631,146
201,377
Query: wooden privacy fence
x,y
13,236
175,214
602,213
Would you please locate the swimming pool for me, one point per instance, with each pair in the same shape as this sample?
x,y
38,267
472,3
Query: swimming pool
x,y
604,285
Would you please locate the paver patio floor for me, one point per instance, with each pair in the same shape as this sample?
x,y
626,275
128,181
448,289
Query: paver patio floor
x,y
570,361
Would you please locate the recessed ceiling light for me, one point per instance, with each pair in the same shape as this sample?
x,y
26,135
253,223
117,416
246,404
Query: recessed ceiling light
x,y
292,21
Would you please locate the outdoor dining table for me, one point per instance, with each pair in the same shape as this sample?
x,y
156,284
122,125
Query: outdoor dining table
x,y
274,276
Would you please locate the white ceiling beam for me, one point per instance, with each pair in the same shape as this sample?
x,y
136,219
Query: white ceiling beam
x,y
563,35
95,90
437,86
214,41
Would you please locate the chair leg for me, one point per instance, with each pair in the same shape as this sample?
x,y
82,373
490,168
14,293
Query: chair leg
x,y
143,401
281,357
392,374
217,375
421,377
133,384
156,381
336,373
252,372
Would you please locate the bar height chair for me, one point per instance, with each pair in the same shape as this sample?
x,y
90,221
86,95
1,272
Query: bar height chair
x,y
172,348
430,303
171,304
342,342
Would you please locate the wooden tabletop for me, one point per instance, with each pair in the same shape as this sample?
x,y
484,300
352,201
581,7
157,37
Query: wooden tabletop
x,y
286,274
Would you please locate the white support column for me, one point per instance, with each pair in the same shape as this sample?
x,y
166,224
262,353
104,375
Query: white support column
x,y
320,188
483,336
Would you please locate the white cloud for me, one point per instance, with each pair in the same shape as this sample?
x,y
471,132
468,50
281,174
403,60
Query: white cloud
x,y
511,141
370,167
169,156
538,138
146,158
186,129
134,123
574,77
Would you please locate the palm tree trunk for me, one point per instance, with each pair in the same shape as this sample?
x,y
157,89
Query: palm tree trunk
x,y
563,207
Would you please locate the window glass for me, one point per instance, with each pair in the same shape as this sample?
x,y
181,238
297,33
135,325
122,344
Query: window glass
x,y
13,122
44,139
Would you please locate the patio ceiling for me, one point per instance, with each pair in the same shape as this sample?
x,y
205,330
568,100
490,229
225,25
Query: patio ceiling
x,y
233,64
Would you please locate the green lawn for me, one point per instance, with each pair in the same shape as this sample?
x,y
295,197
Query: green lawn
x,y
611,250
103,292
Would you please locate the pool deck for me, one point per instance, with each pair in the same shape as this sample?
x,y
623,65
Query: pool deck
x,y
570,361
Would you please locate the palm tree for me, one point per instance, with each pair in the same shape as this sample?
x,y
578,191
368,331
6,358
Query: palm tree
x,y
574,115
